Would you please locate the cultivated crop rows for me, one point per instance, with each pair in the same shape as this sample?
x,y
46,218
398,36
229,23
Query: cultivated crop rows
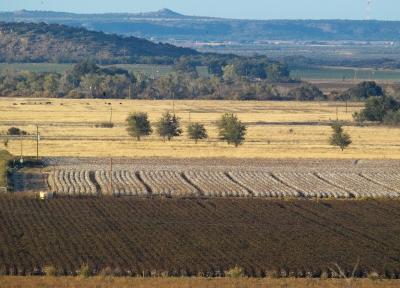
x,y
72,182
263,184
390,180
311,186
124,183
218,183
358,185
167,183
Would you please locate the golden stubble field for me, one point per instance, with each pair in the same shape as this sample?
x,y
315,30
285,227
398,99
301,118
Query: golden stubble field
x,y
275,129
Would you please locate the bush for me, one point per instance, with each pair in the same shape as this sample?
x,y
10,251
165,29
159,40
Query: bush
x,y
50,270
392,118
85,271
339,137
373,275
235,272
376,108
14,131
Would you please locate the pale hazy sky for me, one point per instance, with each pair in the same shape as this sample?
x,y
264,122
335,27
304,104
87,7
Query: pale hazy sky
x,y
250,9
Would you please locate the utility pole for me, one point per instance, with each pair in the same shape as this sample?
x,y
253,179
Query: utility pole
x,y
173,102
37,142
21,159
129,96
54,180
337,112
111,114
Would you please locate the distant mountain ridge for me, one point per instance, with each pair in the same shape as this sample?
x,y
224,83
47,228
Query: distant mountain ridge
x,y
166,24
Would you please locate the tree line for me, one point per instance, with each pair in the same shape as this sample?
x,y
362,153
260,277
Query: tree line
x,y
89,80
230,128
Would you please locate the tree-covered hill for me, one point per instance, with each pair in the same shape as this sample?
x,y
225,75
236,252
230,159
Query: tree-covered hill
x,y
40,42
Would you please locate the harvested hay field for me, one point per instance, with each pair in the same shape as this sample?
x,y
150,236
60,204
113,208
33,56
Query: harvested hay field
x,y
200,237
73,128
249,178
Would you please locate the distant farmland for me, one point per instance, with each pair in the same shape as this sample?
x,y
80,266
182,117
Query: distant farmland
x,y
345,74
150,70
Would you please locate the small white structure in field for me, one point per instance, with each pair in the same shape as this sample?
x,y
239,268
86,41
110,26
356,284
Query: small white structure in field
x,y
45,195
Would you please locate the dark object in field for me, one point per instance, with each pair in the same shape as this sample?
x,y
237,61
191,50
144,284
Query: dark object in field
x,y
14,131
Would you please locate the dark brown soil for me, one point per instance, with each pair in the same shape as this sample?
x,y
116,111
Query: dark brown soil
x,y
191,237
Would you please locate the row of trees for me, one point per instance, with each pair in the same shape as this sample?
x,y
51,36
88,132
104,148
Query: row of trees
x,y
230,128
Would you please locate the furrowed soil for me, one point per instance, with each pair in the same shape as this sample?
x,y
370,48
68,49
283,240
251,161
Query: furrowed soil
x,y
178,237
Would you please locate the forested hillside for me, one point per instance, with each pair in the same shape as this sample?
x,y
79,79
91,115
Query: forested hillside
x,y
40,42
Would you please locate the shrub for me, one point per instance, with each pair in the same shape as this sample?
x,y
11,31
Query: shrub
x,y
392,118
107,271
235,272
376,108
85,271
50,270
373,275
339,137
14,131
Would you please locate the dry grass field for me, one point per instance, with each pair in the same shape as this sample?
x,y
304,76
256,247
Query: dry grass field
x,y
100,282
275,129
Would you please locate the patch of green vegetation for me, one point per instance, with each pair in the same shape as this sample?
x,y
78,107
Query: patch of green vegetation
x,y
332,73
4,158
36,67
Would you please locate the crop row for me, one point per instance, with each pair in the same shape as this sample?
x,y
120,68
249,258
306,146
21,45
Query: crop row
x,y
122,183
72,182
208,183
358,185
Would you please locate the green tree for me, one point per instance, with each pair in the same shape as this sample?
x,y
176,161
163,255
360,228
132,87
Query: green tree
x,y
231,129
139,125
376,108
196,132
168,126
51,83
339,137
